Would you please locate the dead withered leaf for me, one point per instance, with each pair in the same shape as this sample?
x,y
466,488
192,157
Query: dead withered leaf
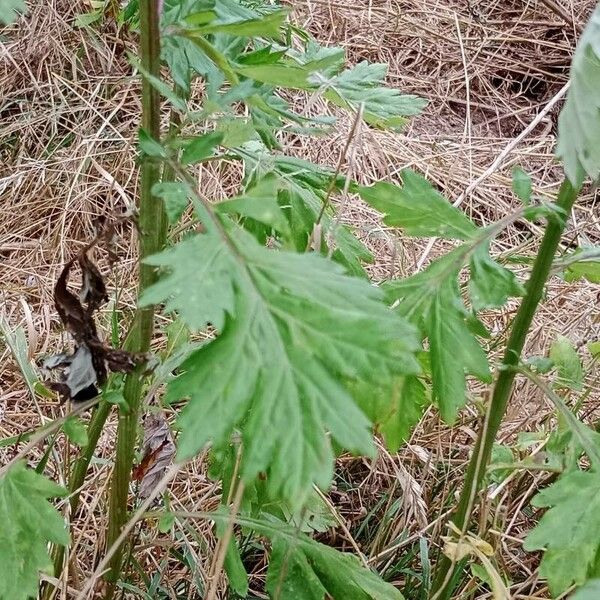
x,y
77,320
158,451
93,290
78,376
86,369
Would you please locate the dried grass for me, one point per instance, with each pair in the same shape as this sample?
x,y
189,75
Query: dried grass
x,y
67,122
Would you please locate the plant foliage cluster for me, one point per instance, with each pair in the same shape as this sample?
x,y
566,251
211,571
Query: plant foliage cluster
x,y
302,357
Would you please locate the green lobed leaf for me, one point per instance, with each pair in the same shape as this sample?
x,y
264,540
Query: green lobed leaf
x,y
184,58
453,351
303,188
178,337
233,565
490,284
197,283
174,196
501,455
569,532
539,364
259,202
166,522
181,54
29,522
584,269
311,571
328,60
235,131
150,146
568,423
305,203
395,408
116,397
228,11
200,147
277,74
298,326
268,25
290,575
10,10
384,107
159,85
87,19
418,208
76,431
262,56
547,210
579,120
177,10
479,572
476,326
565,358
590,591
313,516
202,17
583,264
432,301
129,13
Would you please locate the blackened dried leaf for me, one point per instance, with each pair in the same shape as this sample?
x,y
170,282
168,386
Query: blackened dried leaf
x,y
93,290
78,321
56,360
148,460
123,361
83,372
98,361
111,249
158,452
78,375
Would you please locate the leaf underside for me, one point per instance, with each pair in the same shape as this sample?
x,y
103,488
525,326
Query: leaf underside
x,y
291,327
431,299
28,523
569,532
307,570
418,208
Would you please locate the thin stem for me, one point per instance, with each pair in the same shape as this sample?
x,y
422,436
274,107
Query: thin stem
x,y
504,381
77,477
357,119
152,225
81,465
223,545
127,528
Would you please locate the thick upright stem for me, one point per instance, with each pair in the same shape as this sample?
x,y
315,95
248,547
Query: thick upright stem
x,y
504,381
152,228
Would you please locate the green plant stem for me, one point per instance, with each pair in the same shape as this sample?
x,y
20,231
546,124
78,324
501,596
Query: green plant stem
x,y
81,465
152,232
504,381
77,477
102,411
